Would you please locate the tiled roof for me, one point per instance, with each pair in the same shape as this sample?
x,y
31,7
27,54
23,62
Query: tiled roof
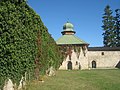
x,y
69,39
103,48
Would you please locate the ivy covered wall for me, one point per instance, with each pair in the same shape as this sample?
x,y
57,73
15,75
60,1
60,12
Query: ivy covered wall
x,y
25,44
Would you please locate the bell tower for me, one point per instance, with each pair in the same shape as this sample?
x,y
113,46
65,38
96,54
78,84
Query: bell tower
x,y
74,49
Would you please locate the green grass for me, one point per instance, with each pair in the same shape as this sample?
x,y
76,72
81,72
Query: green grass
x,y
80,80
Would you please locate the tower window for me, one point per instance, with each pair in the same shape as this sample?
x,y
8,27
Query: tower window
x,y
76,63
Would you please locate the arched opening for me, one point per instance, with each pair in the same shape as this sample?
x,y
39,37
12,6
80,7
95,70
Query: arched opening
x,y
69,65
93,64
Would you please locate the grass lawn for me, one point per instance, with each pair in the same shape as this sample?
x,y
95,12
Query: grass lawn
x,y
80,80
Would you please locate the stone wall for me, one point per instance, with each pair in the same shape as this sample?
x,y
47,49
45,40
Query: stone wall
x,y
104,59
73,61
80,62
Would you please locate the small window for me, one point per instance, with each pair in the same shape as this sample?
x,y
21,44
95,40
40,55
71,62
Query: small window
x,y
76,63
69,65
102,53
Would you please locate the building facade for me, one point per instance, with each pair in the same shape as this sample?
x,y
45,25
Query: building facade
x,y
77,54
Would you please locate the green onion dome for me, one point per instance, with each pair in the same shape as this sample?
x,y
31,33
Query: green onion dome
x,y
68,27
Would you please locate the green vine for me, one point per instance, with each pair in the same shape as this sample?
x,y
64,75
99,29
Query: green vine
x,y
20,31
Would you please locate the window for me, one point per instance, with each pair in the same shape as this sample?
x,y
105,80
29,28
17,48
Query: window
x,y
76,63
102,53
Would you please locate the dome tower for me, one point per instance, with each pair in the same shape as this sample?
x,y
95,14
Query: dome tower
x,y
68,29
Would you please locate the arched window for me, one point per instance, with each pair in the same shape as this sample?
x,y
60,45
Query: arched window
x,y
93,64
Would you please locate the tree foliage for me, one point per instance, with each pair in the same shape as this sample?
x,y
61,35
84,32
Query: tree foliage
x,y
23,40
111,28
108,21
117,27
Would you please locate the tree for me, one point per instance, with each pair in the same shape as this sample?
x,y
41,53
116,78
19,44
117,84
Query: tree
x,y
108,27
117,27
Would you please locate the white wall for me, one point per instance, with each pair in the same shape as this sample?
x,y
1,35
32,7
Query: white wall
x,y
82,61
108,60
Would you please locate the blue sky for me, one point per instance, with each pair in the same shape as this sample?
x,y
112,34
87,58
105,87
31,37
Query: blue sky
x,y
85,15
